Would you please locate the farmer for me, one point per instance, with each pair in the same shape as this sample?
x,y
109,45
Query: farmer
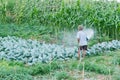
x,y
82,42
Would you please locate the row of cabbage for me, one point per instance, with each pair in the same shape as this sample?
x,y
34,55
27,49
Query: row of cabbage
x,y
103,47
32,51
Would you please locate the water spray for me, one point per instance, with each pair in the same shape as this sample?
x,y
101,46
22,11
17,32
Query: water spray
x,y
89,33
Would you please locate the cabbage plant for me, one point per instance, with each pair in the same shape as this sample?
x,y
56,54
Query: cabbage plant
x,y
32,51
104,46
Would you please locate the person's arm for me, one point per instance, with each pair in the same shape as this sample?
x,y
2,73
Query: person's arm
x,y
86,37
78,38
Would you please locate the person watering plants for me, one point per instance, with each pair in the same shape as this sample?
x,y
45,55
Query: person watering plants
x,y
82,42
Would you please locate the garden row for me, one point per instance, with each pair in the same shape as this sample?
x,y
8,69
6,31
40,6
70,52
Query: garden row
x,y
32,51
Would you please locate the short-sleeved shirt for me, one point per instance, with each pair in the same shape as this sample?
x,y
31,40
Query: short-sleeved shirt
x,y
83,38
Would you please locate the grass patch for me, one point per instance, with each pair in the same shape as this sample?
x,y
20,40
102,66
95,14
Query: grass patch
x,y
41,33
13,71
97,68
63,76
97,65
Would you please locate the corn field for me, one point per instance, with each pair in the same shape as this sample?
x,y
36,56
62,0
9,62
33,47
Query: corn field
x,y
103,16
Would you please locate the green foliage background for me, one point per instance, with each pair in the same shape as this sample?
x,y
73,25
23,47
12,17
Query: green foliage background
x,y
103,16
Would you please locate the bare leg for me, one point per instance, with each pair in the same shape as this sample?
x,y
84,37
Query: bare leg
x,y
84,53
78,53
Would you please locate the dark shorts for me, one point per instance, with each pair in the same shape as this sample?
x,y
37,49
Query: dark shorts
x,y
83,47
